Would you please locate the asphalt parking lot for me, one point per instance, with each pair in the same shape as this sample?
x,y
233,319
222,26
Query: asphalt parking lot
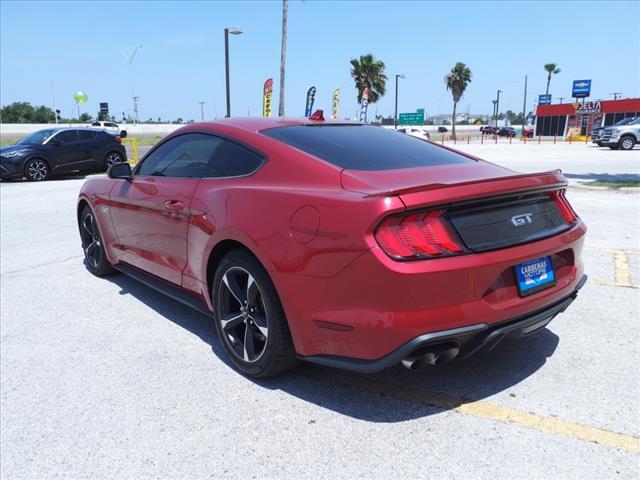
x,y
104,378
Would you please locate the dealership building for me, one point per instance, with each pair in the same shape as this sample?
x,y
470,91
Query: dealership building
x,y
572,119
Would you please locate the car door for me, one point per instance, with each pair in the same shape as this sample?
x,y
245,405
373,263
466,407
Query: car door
x,y
88,142
151,212
64,153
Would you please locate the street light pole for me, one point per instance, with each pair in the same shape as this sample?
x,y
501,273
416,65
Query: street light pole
x,y
615,95
227,31
498,107
202,110
395,115
129,59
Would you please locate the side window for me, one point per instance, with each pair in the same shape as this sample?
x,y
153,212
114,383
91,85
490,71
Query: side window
x,y
95,124
187,155
67,137
87,135
232,160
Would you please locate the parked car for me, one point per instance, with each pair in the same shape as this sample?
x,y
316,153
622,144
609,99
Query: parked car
x,y
416,132
442,129
345,245
598,132
507,132
110,127
489,130
60,150
622,137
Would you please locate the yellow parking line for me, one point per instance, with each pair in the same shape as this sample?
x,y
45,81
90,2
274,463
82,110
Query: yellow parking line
x,y
612,250
622,269
484,410
606,283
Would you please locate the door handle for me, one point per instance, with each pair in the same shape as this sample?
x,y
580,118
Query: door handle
x,y
173,206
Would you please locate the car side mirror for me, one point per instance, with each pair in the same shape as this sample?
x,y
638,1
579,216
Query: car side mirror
x,y
120,170
123,133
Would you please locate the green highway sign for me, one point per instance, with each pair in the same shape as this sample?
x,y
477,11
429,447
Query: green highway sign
x,y
415,118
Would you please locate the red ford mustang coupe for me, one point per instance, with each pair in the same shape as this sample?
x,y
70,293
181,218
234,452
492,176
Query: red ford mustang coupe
x,y
336,243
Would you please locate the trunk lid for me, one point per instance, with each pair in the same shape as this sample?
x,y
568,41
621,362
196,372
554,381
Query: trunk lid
x,y
488,206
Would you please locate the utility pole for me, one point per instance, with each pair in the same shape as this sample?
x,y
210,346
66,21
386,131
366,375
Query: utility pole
x,y
498,107
616,95
524,104
135,109
561,99
202,110
283,55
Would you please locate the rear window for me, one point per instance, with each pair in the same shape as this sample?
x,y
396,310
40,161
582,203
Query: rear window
x,y
363,147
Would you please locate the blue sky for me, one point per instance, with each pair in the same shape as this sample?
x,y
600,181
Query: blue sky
x,y
77,45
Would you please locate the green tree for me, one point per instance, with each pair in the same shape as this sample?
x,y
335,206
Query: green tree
x,y
367,72
457,81
551,69
85,118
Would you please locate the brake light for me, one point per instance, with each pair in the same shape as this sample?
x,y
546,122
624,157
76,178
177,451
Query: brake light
x,y
563,204
418,235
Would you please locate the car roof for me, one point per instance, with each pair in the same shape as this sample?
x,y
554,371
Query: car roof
x,y
256,124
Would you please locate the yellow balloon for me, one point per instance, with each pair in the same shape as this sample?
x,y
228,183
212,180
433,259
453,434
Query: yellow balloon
x,y
80,97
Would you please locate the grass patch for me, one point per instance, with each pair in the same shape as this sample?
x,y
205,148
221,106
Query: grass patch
x,y
614,184
148,141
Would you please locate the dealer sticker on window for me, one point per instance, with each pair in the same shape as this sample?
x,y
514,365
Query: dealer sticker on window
x,y
534,276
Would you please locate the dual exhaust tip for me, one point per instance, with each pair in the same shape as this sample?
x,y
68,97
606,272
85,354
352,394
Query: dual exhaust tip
x,y
431,355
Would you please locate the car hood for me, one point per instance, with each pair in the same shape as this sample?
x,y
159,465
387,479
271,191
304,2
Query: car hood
x,y
13,148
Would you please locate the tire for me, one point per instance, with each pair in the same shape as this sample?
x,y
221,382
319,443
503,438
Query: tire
x,y
95,257
255,334
36,170
600,144
113,158
627,142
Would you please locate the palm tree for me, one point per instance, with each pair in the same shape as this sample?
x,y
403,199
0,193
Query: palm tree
x,y
283,55
457,80
368,72
551,69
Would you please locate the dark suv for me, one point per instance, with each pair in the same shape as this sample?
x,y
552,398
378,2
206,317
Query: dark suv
x,y
60,150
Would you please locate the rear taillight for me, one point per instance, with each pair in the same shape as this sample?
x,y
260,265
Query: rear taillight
x,y
418,235
563,204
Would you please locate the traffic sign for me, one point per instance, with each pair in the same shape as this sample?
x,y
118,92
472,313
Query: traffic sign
x,y
581,88
414,118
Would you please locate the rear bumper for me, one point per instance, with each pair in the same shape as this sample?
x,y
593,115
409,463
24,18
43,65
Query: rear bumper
x,y
374,305
469,339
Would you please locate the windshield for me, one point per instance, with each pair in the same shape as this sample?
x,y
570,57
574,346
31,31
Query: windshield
x,y
36,138
626,121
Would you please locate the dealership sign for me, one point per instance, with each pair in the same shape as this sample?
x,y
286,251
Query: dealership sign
x,y
581,88
587,107
544,99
